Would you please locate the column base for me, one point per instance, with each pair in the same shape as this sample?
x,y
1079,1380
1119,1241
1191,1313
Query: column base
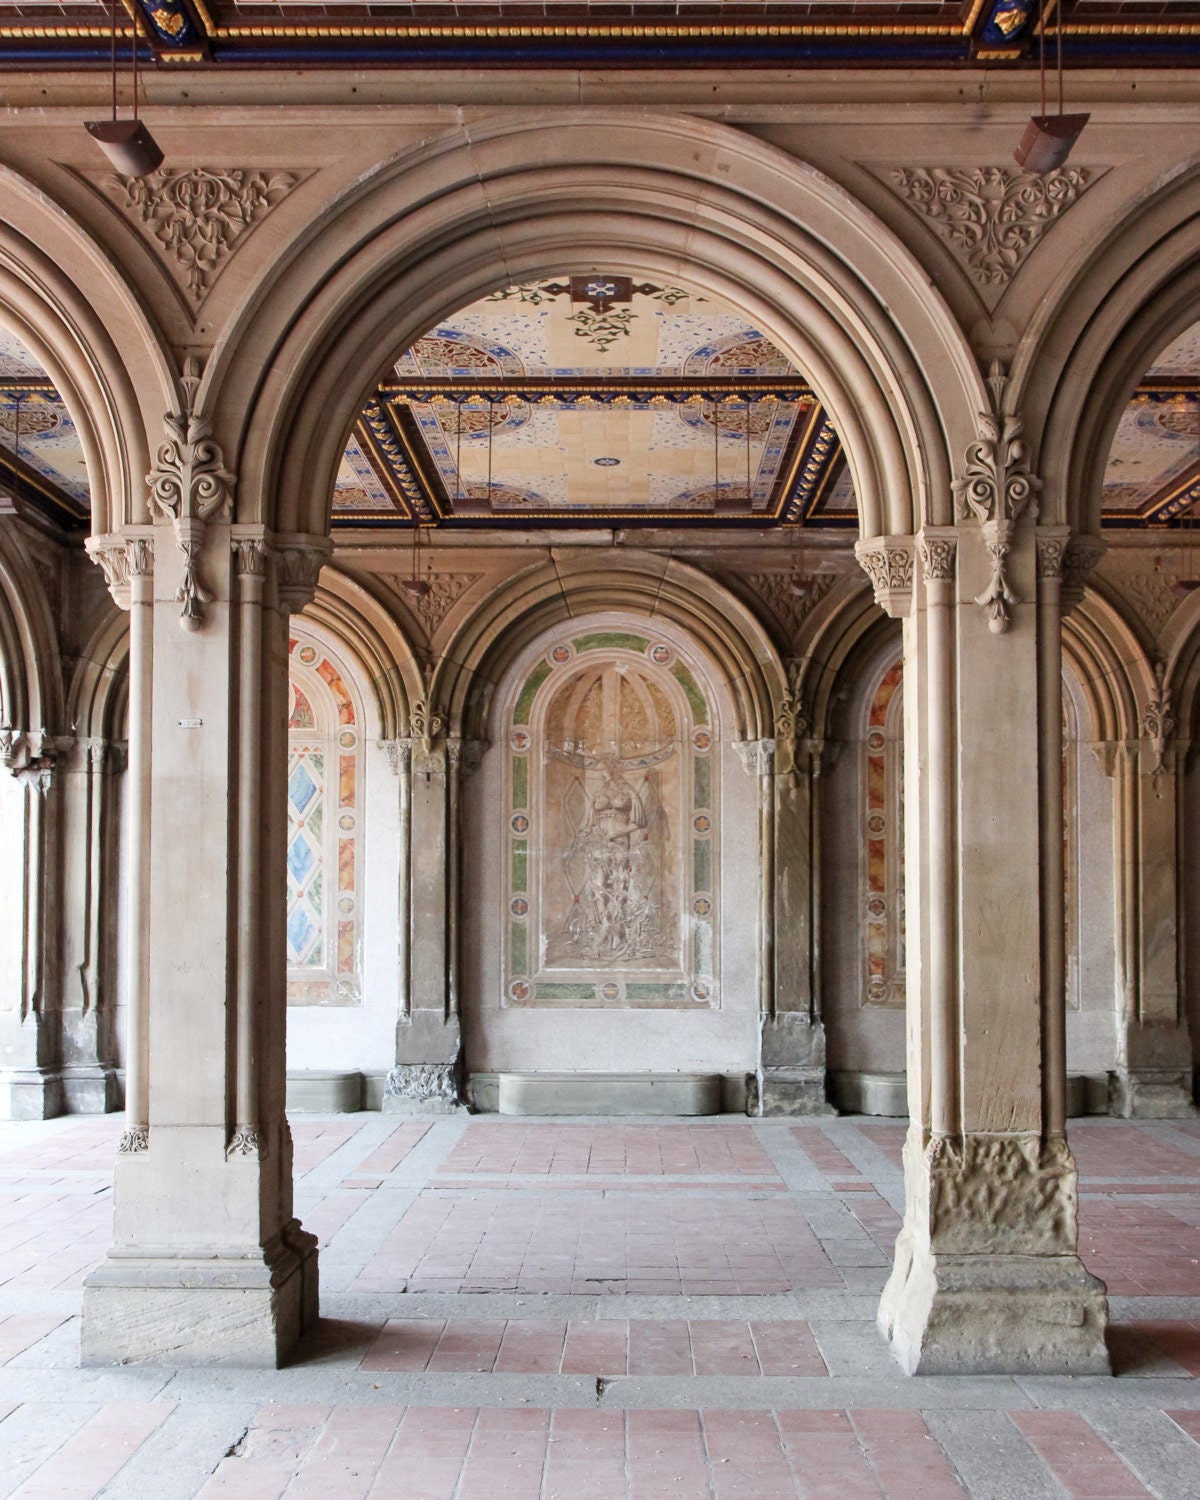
x,y
785,1093
423,1089
994,1314
30,1094
91,1090
1158,1094
202,1309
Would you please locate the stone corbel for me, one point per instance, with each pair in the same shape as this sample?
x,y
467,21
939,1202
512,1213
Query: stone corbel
x,y
757,756
189,485
33,756
938,549
888,563
465,756
997,489
399,754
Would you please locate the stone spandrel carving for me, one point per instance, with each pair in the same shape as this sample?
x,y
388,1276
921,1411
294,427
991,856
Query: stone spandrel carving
x,y
434,597
990,217
199,214
1013,1195
791,597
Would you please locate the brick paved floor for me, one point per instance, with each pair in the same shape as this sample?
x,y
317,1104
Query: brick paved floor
x,y
570,1310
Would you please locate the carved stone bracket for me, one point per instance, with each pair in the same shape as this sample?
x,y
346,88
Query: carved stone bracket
x,y
1014,1195
427,723
135,1139
465,756
189,485
1158,719
122,558
888,563
1051,554
33,756
246,1143
997,489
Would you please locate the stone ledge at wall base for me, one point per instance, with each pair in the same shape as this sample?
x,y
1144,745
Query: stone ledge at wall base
x,y
311,1091
423,1089
664,1095
220,1309
30,1094
856,1092
1161,1094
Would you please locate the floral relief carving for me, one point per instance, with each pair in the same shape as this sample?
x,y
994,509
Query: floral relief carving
x,y
791,597
199,214
937,556
1081,556
440,594
1014,1194
1158,719
888,562
991,217
1153,595
997,489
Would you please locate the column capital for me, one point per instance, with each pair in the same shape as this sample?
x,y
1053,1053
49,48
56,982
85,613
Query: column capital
x,y
757,756
888,563
1052,543
123,556
938,549
1081,556
299,559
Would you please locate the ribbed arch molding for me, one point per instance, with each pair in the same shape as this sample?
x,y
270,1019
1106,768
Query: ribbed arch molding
x,y
690,200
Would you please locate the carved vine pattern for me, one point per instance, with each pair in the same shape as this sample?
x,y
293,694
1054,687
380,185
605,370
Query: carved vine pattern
x,y
1158,719
199,214
991,216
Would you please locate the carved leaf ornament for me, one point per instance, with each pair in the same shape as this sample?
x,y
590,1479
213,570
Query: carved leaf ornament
x,y
992,216
198,215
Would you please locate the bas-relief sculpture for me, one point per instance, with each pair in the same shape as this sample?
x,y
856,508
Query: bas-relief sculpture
x,y
612,825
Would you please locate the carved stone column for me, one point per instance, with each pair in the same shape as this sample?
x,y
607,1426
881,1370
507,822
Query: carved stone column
x,y
986,1276
427,1075
791,1075
1153,1076
91,837
208,1264
30,1021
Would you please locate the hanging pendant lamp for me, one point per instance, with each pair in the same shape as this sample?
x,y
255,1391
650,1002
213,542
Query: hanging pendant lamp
x,y
130,147
1048,139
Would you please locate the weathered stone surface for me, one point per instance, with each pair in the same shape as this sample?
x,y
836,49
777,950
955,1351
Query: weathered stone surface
x,y
316,1092
800,1092
859,1093
422,1088
186,1310
1151,1095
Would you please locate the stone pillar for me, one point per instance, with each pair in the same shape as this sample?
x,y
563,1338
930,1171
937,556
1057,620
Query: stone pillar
x,y
208,1264
1153,1076
90,783
791,1071
986,1276
426,1078
30,1021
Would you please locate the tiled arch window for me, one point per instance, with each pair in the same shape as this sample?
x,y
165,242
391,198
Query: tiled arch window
x,y
883,842
324,828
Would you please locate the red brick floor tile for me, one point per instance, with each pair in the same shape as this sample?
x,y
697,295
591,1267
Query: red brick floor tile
x,y
86,1463
907,1459
1080,1460
404,1344
1178,1339
723,1348
22,1330
823,1154
468,1344
659,1348
600,1348
531,1347
391,1152
1189,1421
787,1348
611,1150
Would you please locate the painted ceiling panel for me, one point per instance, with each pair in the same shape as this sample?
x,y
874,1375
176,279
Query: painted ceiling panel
x,y
1153,471
37,434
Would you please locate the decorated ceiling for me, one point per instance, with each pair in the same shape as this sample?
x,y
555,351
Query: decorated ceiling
x,y
601,399
582,398
186,34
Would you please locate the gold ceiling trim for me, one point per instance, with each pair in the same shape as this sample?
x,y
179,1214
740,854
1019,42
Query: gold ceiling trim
x,y
584,30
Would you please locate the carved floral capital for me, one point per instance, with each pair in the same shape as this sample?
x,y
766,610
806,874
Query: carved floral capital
x,y
298,564
888,562
122,559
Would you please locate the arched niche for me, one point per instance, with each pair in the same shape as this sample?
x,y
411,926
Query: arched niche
x,y
611,914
